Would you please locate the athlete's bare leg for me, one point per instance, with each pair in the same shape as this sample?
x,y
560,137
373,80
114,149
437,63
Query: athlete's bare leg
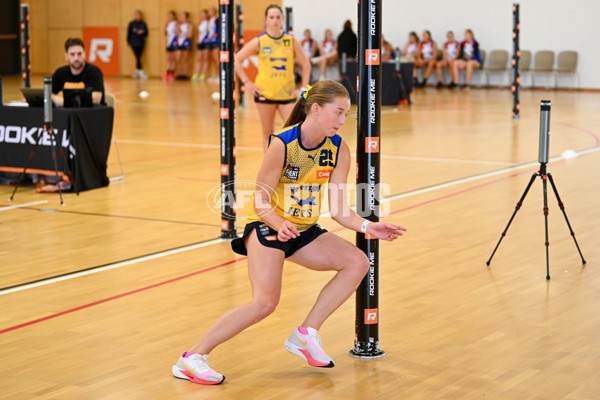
x,y
439,67
456,67
171,60
265,266
285,110
204,62
471,65
329,252
267,120
330,58
430,66
184,63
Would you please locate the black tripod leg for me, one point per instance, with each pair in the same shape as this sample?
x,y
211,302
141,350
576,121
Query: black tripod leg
x,y
545,184
53,140
31,154
69,172
518,206
562,208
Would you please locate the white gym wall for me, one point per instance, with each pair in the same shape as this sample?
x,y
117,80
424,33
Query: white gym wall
x,y
545,25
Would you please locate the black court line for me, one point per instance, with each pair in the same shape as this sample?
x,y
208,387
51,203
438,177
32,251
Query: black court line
x,y
93,214
103,265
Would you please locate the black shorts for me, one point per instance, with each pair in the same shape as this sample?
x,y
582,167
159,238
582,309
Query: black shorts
x,y
202,46
171,49
212,46
264,100
268,238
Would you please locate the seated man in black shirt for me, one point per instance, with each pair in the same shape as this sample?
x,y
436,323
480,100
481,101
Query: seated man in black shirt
x,y
77,74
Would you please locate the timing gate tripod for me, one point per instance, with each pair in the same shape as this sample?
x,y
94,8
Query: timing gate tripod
x,y
48,129
545,177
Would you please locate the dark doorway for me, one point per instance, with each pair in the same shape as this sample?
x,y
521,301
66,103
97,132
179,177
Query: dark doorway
x,y
10,63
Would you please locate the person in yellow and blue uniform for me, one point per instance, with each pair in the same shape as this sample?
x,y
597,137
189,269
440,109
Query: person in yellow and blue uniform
x,y
274,89
282,225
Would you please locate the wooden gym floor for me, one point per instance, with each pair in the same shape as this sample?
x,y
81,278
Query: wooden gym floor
x,y
455,163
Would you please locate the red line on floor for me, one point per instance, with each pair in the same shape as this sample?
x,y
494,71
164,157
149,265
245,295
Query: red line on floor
x,y
460,192
12,328
592,134
72,310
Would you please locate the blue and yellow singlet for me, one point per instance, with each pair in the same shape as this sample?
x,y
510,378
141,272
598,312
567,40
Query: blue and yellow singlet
x,y
276,66
299,193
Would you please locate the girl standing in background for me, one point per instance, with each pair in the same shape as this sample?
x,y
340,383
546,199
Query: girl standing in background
x,y
203,51
184,45
171,28
136,38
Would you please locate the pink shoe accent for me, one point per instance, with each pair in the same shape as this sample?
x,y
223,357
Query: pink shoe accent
x,y
195,379
311,361
303,330
186,354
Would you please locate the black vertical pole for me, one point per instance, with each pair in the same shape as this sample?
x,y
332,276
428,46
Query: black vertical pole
x,y
366,343
544,176
240,44
515,62
289,20
227,115
25,61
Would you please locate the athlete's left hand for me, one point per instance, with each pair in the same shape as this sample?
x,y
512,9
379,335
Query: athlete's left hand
x,y
385,231
287,231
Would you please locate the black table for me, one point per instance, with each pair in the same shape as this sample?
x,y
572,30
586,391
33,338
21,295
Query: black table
x,y
397,81
84,135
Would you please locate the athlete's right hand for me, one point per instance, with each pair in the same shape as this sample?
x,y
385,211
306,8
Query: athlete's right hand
x,y
252,89
287,231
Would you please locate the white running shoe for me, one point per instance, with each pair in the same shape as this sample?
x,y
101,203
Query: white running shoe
x,y
308,346
194,367
142,75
